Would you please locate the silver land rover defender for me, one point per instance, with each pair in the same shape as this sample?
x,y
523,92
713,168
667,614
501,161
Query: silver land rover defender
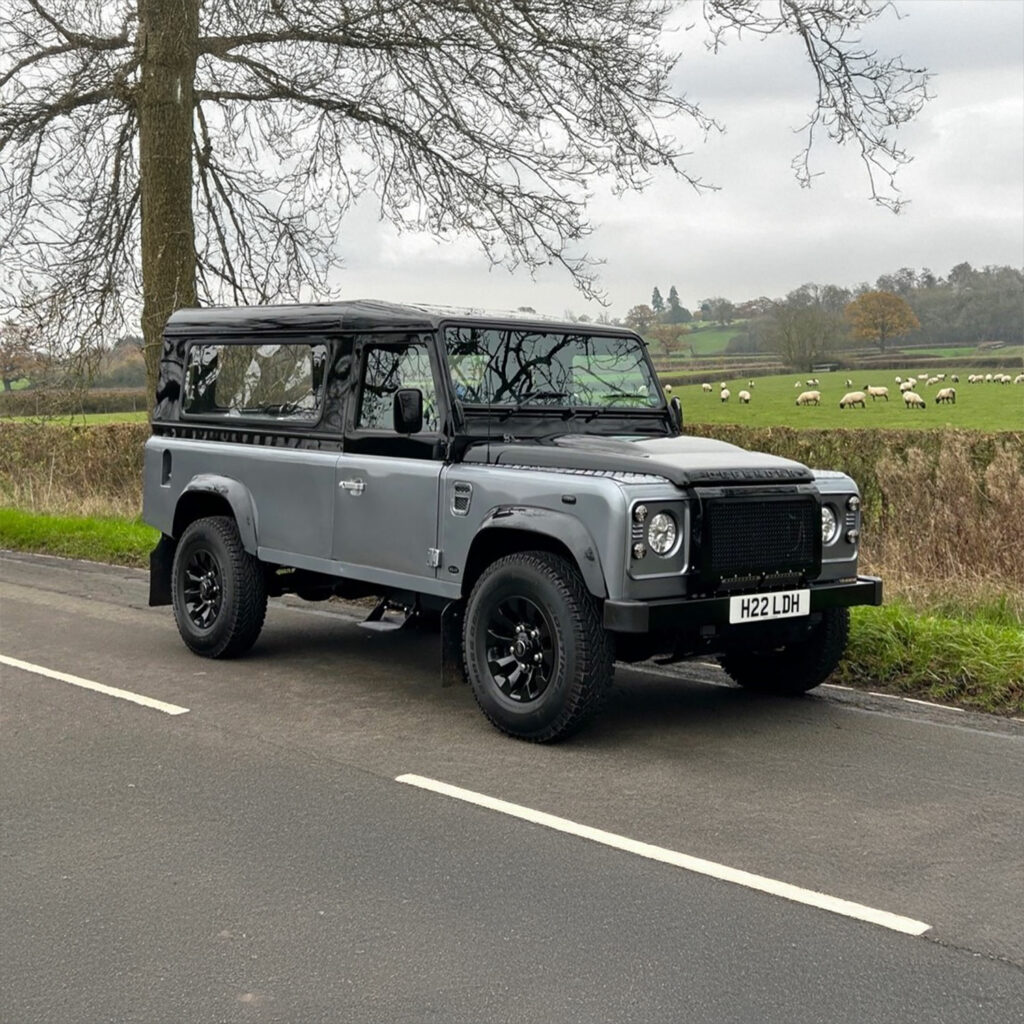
x,y
524,483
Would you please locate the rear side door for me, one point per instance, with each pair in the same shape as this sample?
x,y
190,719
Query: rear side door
x,y
386,489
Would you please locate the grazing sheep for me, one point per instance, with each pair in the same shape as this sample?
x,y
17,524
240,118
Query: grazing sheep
x,y
668,389
906,386
882,392
946,395
809,398
1005,378
750,383
849,383
852,398
974,378
912,400
912,381
744,397
705,387
1019,379
932,381
798,383
955,378
724,395
988,378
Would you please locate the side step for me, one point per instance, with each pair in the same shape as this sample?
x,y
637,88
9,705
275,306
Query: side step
x,y
376,621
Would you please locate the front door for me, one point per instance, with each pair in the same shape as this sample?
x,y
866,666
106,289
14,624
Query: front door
x,y
386,493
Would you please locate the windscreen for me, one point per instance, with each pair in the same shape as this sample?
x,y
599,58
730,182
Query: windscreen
x,y
522,368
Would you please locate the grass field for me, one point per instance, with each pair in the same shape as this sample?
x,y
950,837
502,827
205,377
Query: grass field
x,y
83,419
989,407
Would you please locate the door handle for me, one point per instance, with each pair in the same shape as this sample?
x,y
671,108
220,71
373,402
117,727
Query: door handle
x,y
354,487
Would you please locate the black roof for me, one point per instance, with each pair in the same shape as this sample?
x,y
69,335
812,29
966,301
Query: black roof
x,y
353,315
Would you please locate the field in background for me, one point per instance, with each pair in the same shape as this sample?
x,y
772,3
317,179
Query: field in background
x,y
989,407
82,419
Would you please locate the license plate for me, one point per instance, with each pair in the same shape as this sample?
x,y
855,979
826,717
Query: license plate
x,y
783,604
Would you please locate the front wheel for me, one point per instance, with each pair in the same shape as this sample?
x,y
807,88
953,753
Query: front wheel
x,y
218,590
537,656
797,667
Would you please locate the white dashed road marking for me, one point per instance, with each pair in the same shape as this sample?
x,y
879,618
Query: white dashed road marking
x,y
809,897
88,684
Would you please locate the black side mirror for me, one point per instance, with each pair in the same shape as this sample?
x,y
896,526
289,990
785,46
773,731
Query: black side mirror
x,y
408,411
677,411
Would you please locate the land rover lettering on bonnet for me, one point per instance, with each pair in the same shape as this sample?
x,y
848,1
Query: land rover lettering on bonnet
x,y
524,484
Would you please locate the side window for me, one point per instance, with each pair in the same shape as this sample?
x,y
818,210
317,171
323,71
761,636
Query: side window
x,y
388,368
257,381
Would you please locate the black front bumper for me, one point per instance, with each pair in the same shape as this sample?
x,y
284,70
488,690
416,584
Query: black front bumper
x,y
671,614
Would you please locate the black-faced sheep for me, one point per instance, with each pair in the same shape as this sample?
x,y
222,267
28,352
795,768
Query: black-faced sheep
x,y
809,398
852,398
946,395
725,394
882,392
744,397
912,400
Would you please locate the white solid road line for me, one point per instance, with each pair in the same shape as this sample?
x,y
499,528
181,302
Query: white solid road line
x,y
882,918
88,684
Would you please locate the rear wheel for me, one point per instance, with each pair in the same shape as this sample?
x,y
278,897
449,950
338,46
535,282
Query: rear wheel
x,y
218,590
797,667
537,656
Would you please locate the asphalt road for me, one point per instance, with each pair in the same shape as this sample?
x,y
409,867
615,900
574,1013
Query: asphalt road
x,y
255,859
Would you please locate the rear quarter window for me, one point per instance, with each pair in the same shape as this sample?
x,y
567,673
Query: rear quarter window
x,y
269,381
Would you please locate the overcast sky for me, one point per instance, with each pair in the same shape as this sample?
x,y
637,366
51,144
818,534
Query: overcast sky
x,y
761,234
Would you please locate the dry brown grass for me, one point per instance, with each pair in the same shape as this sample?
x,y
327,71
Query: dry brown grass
x,y
947,526
942,509
82,471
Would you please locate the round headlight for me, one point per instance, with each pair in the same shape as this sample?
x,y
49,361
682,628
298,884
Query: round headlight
x,y
829,524
662,533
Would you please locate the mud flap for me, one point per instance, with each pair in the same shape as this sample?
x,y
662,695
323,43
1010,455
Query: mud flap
x,y
453,669
161,559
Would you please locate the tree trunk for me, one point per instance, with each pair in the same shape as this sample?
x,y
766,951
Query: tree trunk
x,y
168,43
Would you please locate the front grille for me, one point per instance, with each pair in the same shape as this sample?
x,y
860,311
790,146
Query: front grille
x,y
755,537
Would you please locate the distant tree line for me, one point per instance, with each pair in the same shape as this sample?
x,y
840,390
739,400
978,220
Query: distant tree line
x,y
815,322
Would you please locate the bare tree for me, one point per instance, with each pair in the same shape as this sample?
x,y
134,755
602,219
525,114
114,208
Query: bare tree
x,y
802,328
200,152
19,359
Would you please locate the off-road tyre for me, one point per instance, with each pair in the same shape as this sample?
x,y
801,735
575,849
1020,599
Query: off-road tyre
x,y
797,667
222,617
538,592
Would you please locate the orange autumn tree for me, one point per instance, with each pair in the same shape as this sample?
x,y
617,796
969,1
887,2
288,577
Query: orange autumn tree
x,y
880,316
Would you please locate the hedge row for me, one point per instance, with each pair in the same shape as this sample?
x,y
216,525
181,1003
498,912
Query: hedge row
x,y
937,503
62,402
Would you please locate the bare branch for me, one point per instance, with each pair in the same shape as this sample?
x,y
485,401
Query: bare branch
x,y
491,120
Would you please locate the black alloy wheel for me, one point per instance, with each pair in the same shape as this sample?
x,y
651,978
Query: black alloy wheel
x,y
537,656
218,589
520,653
203,588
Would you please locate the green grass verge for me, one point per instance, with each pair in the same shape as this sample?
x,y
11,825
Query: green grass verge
x,y
972,662
972,658
117,541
